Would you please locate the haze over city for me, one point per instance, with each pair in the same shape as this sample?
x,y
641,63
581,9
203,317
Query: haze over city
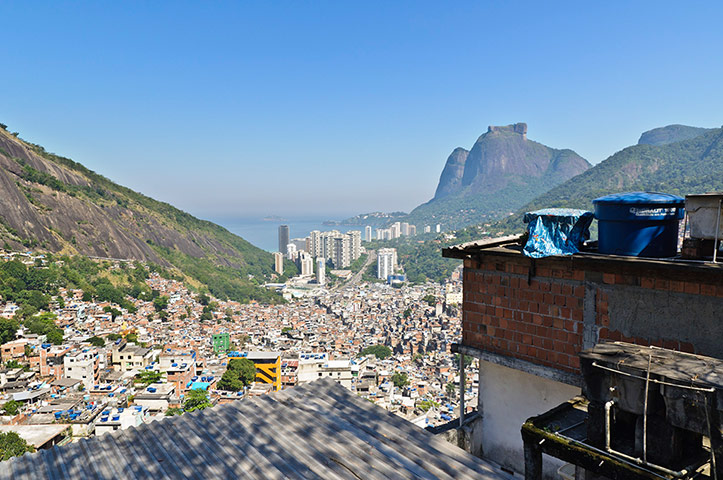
x,y
331,108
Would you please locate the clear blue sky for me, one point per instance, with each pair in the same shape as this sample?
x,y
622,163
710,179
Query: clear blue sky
x,y
332,108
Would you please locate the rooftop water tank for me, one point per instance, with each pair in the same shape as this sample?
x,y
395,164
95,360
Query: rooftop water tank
x,y
640,224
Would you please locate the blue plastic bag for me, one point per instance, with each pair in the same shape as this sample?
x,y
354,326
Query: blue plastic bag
x,y
556,231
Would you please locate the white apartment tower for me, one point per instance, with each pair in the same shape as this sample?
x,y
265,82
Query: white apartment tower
x,y
355,243
368,233
386,262
320,270
305,264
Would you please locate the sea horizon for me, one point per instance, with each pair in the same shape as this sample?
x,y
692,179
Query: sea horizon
x,y
262,231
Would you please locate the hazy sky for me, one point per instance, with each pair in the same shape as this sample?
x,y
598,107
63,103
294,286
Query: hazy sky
x,y
256,108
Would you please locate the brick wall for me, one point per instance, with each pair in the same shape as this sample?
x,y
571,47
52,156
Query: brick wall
x,y
548,317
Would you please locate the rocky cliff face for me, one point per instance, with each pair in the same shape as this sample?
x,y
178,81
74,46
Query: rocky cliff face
x,y
502,171
451,179
504,154
51,203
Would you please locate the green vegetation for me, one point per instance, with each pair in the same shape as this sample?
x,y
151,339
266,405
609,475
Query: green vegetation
x,y
400,379
450,389
44,324
467,360
357,264
12,445
12,407
147,377
430,300
96,341
205,253
196,400
173,411
239,373
379,351
8,327
425,404
681,168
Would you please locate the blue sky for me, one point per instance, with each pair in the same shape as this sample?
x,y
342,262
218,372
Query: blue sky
x,y
332,108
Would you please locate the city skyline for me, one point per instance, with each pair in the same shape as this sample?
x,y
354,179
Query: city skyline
x,y
201,105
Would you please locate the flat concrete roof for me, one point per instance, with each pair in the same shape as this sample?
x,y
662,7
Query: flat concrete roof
x,y
36,435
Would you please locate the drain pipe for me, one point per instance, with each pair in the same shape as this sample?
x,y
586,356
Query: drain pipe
x,y
608,406
461,389
638,461
717,231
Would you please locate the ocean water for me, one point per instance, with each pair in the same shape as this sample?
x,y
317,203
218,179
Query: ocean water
x,y
265,233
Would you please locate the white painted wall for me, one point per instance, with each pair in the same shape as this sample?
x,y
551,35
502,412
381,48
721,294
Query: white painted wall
x,y
508,397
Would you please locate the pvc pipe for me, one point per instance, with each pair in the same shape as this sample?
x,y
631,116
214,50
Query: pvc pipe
x,y
717,229
461,389
660,382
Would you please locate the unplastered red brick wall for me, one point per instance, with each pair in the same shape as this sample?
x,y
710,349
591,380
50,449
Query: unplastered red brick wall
x,y
540,322
540,317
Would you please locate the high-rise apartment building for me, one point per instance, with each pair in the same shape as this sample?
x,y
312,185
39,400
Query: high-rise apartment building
x,y
305,264
368,233
386,262
396,229
412,230
320,270
355,244
340,248
405,229
439,228
283,238
291,251
279,263
427,229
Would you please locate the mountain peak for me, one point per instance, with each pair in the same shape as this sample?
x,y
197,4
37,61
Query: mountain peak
x,y
671,134
519,128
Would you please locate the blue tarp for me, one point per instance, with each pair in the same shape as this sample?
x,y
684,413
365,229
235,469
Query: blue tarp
x,y
556,231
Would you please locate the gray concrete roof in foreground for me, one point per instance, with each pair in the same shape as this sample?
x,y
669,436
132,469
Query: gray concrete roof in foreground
x,y
318,430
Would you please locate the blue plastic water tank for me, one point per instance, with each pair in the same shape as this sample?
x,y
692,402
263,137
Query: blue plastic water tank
x,y
641,224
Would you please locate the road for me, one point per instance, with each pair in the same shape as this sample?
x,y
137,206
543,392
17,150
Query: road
x,y
356,278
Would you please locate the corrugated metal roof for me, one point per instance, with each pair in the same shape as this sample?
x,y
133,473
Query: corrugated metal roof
x,y
319,430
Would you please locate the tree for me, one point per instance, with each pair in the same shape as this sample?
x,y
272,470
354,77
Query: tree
x,y
245,369
430,299
467,360
160,303
379,351
12,445
114,312
173,411
13,364
55,336
96,341
8,327
113,336
230,381
400,379
12,407
450,389
196,400
146,377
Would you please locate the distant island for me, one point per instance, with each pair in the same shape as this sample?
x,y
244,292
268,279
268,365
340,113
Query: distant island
x,y
373,218
274,218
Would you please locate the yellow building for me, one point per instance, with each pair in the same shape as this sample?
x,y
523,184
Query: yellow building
x,y
268,366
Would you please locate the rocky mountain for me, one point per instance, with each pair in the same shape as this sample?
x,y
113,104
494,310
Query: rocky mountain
x,y
52,203
690,166
502,171
670,134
